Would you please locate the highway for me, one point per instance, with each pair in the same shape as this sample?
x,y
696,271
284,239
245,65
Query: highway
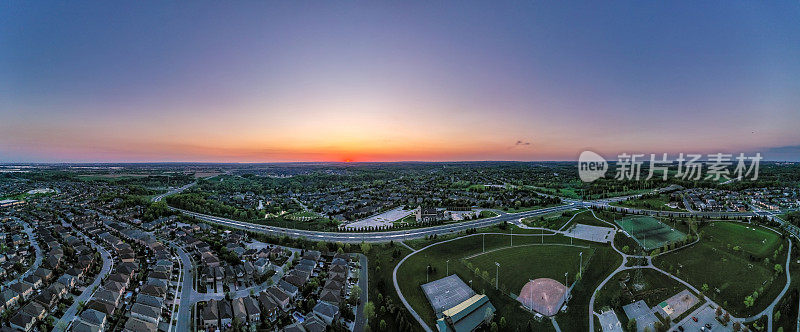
x,y
384,236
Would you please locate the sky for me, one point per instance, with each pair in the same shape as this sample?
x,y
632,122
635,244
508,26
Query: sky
x,y
275,81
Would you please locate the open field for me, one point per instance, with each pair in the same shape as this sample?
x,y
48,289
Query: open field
x,y
650,232
553,220
658,203
520,264
413,273
755,240
732,273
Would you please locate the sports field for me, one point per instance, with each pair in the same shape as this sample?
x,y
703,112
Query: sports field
x,y
518,265
650,232
412,274
731,259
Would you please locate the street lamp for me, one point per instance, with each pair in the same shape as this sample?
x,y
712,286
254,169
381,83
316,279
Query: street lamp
x,y
448,268
497,276
427,269
580,266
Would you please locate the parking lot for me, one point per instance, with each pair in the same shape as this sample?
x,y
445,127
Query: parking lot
x,y
705,315
590,233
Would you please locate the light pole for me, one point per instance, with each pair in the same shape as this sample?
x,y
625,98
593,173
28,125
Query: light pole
x,y
497,276
470,284
448,267
427,269
580,267
565,284
483,237
512,235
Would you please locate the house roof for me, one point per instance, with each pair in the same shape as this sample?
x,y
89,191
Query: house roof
x,y
92,316
146,310
137,325
22,319
325,309
80,326
314,324
466,315
210,311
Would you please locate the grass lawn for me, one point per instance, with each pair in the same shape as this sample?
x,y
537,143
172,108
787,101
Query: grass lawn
x,y
413,273
487,214
554,220
303,215
409,219
588,219
755,240
730,273
541,261
658,203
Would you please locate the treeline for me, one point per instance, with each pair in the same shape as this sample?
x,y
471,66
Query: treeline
x,y
198,203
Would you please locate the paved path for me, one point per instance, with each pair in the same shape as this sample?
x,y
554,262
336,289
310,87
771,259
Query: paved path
x,y
363,284
72,311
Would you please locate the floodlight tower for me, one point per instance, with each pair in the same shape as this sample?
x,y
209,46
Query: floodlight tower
x,y
427,270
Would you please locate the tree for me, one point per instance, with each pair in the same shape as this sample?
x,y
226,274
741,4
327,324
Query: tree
x,y
369,310
778,268
777,315
704,288
503,323
365,247
488,315
494,327
383,325
632,324
748,301
355,294
718,311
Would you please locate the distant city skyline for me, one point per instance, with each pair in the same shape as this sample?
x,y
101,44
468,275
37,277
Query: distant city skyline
x,y
361,81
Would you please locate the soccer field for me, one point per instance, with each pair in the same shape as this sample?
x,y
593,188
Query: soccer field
x,y
650,232
520,264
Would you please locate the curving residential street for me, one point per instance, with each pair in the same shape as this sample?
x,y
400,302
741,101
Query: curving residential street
x,y
72,311
38,251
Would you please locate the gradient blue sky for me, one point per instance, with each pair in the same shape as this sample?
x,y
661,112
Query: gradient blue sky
x,y
378,81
